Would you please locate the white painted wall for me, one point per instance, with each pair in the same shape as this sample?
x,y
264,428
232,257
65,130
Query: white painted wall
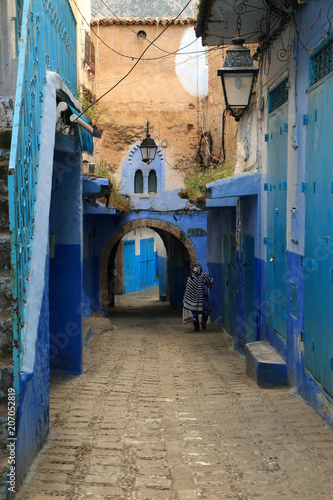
x,y
252,151
41,237
192,65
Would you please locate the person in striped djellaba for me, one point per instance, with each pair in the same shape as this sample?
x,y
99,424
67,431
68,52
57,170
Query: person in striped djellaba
x,y
196,297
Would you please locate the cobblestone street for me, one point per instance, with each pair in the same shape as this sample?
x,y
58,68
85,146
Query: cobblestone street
x,y
163,412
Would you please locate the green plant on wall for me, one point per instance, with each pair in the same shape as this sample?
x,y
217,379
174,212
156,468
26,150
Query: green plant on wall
x,y
197,178
116,199
93,111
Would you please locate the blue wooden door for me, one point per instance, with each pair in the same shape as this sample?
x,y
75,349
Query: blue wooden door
x,y
318,259
129,266
249,289
226,281
233,274
147,263
276,220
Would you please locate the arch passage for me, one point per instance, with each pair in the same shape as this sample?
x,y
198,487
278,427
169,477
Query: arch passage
x,y
126,228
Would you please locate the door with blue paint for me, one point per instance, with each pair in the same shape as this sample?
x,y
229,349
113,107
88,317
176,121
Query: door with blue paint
x,y
276,286
233,274
147,263
226,281
129,266
249,289
318,259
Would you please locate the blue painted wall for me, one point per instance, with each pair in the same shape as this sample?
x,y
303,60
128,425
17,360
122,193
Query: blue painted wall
x,y
65,297
215,264
162,276
102,227
226,264
33,407
66,263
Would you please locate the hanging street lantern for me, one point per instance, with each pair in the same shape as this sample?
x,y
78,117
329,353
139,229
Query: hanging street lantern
x,y
148,148
237,75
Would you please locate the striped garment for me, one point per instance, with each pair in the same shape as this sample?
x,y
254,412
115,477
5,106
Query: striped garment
x,y
194,293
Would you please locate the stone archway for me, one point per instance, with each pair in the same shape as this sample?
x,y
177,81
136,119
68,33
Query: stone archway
x,y
126,228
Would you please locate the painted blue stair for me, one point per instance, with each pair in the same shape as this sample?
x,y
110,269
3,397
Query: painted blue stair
x,y
264,365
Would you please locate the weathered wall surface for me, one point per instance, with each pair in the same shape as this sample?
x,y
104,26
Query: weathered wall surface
x,y
8,56
153,91
214,108
240,153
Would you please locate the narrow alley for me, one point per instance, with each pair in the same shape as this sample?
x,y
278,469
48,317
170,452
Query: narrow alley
x,y
163,412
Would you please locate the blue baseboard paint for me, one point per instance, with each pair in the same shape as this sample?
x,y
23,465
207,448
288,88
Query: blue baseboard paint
x,y
33,406
66,309
162,275
293,351
298,377
295,319
240,310
176,287
216,293
85,308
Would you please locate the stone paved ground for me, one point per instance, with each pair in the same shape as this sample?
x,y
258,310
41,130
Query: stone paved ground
x,y
166,413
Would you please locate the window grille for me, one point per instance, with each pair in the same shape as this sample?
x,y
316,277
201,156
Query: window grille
x,y
322,63
278,96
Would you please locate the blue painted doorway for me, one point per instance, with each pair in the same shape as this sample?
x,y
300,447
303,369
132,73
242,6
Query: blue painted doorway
x,y
147,263
233,277
129,266
277,211
226,281
318,259
249,289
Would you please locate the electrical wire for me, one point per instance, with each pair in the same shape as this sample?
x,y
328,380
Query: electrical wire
x,y
134,65
130,29
141,77
327,31
125,55
202,54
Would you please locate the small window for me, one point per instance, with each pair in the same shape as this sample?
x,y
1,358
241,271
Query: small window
x,y
141,35
152,182
138,182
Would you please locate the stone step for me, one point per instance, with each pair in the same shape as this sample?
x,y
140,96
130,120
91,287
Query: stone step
x,y
4,186
6,378
6,333
3,446
5,290
4,251
4,214
5,141
264,365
